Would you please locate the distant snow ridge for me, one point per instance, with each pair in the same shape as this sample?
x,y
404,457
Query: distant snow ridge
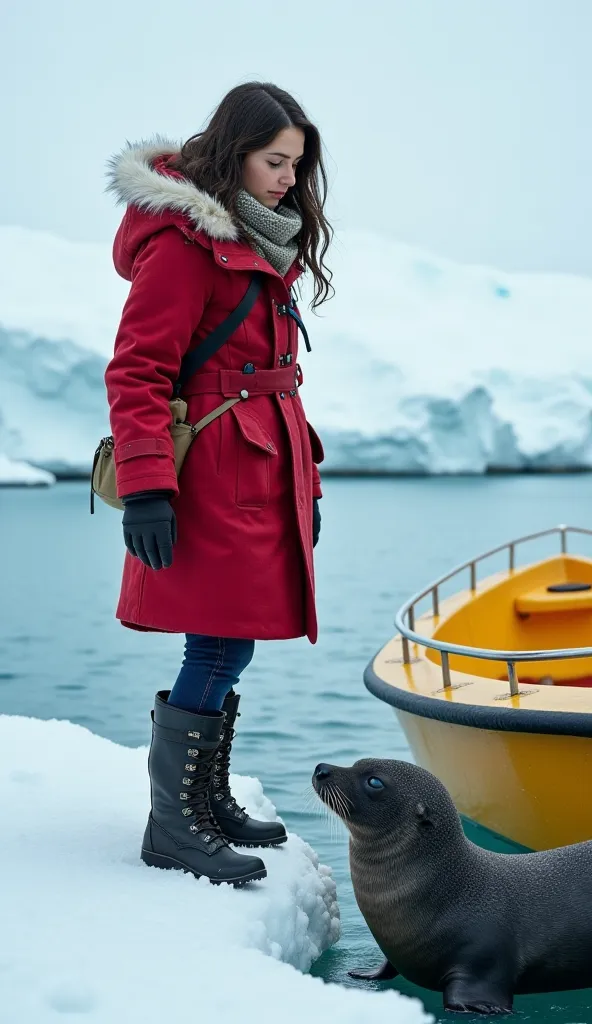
x,y
90,932
419,365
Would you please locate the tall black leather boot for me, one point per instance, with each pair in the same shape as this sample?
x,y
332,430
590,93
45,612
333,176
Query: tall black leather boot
x,y
235,823
181,832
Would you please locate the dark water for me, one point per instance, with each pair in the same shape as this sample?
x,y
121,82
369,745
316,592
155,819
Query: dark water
x,y
62,654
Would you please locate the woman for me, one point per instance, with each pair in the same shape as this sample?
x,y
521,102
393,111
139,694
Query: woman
x,y
224,554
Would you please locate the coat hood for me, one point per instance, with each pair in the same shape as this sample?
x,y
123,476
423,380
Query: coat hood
x,y
135,180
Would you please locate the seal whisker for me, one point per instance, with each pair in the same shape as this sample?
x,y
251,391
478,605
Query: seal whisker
x,y
332,821
343,801
324,810
309,800
346,799
313,803
339,805
325,796
333,803
334,817
334,800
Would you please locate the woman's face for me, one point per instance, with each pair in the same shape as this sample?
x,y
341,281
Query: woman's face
x,y
269,173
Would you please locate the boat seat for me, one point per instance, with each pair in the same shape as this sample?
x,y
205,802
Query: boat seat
x,y
567,596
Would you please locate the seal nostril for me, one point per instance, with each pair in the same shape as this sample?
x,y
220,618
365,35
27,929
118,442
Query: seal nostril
x,y
322,772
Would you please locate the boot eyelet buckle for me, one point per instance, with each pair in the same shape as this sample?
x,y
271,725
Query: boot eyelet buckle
x,y
194,735
187,811
192,752
190,767
193,828
183,796
187,782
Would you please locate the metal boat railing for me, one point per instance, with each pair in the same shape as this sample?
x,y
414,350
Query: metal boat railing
x,y
405,617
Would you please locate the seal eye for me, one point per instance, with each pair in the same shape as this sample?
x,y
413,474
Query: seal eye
x,y
375,783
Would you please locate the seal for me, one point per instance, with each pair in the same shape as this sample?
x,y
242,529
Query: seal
x,y
477,926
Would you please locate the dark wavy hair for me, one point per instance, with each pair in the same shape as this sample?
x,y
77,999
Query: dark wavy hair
x,y
247,119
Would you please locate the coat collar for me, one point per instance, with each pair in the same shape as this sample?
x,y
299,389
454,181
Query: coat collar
x,y
133,179
238,256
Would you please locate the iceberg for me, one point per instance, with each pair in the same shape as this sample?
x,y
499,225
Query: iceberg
x,y
89,931
18,474
419,365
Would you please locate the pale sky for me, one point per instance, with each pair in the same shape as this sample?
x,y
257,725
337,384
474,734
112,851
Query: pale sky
x,y
462,126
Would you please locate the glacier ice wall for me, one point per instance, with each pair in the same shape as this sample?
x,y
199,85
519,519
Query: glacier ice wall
x,y
419,365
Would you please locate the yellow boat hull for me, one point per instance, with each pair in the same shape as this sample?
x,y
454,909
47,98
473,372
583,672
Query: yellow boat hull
x,y
519,766
533,790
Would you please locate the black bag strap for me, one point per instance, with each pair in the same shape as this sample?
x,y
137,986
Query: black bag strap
x,y
292,312
193,361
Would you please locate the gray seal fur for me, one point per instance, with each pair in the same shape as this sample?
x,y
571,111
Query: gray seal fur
x,y
477,926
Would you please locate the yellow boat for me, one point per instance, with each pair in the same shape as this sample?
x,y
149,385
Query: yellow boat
x,y
493,689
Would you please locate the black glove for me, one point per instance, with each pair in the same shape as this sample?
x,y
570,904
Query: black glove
x,y
316,522
150,527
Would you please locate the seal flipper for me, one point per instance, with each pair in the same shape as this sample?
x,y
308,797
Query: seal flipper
x,y
488,996
386,972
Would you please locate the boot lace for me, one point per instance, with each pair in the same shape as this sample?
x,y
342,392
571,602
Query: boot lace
x,y
196,780
221,777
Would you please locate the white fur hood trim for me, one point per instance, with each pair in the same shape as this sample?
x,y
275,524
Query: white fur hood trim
x,y
133,180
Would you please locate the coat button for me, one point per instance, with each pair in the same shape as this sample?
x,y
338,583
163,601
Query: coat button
x,y
244,394
224,259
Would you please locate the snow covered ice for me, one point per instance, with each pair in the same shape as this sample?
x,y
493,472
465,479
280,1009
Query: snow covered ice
x,y
89,933
433,367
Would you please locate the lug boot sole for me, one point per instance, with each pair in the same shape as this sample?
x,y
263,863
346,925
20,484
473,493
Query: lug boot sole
x,y
255,846
161,860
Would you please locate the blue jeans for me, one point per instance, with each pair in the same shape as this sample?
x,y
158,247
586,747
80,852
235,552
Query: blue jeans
x,y
211,667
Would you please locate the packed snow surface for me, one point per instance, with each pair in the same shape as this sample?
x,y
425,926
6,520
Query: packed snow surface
x,y
89,933
419,365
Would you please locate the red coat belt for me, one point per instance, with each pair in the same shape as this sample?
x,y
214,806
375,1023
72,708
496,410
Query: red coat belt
x,y
230,383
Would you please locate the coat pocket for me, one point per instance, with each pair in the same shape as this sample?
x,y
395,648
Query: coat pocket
x,y
256,450
316,446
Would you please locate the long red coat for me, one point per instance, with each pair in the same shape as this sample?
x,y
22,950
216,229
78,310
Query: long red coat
x,y
243,561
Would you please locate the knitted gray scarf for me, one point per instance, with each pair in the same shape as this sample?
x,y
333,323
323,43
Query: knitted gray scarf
x,y
273,231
